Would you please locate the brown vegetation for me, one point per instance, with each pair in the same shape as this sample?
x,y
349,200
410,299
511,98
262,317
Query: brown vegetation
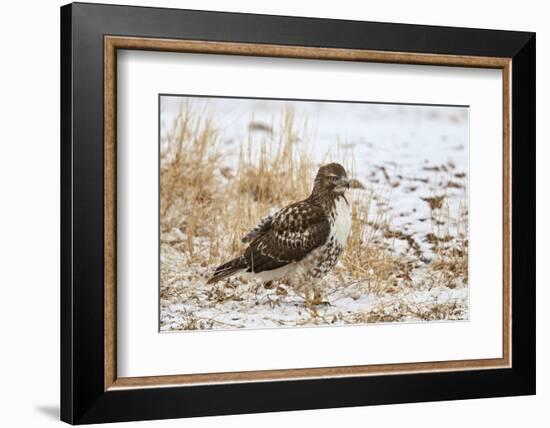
x,y
206,207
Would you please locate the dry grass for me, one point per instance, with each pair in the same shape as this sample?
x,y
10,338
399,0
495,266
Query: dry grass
x,y
214,205
206,207
366,256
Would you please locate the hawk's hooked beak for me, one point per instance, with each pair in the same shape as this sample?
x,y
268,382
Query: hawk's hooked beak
x,y
343,184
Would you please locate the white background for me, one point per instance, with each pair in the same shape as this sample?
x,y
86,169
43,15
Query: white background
x,y
29,218
144,352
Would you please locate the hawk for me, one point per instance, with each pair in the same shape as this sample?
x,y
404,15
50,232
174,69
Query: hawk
x,y
301,242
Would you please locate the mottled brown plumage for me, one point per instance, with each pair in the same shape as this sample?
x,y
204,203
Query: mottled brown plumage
x,y
301,241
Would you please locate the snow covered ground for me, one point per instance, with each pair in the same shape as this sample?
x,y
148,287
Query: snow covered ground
x,y
413,160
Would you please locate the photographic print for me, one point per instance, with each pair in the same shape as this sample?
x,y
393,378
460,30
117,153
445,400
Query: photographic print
x,y
279,213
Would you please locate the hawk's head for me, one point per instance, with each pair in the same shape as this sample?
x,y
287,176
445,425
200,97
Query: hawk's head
x,y
331,178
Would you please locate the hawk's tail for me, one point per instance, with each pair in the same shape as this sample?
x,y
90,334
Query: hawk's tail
x,y
228,269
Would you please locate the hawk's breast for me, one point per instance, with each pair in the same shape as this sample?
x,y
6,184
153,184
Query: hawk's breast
x,y
340,225
322,260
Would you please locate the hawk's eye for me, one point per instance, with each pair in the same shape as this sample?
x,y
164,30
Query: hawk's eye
x,y
333,178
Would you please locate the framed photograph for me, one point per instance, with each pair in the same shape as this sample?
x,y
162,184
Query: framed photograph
x,y
265,213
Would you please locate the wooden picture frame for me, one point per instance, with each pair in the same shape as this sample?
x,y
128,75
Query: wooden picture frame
x,y
91,390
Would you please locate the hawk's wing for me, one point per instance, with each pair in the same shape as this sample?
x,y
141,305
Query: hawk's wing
x,y
291,234
263,226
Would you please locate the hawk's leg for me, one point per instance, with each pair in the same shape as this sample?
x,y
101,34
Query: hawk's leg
x,y
314,296
317,296
309,296
307,293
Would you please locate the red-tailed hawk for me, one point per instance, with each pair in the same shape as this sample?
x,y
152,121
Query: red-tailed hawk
x,y
301,242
